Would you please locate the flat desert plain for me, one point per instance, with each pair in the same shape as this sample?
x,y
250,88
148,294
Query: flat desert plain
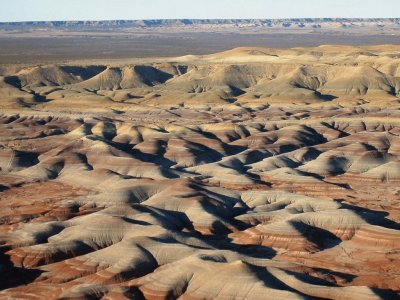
x,y
253,173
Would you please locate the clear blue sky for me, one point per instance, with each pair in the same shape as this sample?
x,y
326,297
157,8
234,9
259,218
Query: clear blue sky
x,y
34,10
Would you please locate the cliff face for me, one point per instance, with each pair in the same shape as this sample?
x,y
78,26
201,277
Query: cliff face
x,y
223,23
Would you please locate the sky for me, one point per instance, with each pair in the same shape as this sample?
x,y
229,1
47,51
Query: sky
x,y
50,10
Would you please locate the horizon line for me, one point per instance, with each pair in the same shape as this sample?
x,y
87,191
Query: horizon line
x,y
204,19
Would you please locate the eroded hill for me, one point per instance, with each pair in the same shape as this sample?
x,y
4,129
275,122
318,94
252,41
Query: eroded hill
x,y
236,175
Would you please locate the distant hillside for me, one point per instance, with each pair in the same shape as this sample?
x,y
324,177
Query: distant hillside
x,y
298,23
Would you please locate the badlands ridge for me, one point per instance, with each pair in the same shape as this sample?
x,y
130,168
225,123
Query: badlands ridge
x,y
246,174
